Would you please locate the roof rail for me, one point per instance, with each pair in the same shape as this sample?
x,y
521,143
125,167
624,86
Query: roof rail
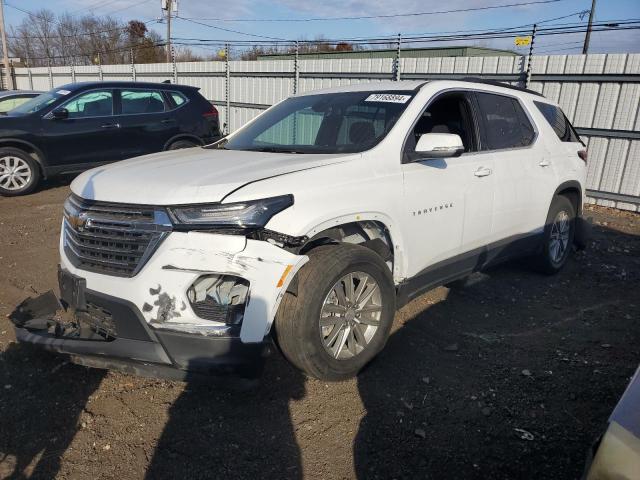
x,y
495,83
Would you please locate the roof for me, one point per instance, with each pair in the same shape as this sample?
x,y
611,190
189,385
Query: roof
x,y
121,84
8,93
409,85
385,86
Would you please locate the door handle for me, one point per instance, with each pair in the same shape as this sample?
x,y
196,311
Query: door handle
x,y
110,125
544,163
168,120
482,172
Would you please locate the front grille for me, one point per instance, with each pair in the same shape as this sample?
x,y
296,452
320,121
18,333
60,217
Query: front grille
x,y
111,238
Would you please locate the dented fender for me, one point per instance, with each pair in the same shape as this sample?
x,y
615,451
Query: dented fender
x,y
160,288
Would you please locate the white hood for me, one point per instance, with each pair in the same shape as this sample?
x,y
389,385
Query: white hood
x,y
195,175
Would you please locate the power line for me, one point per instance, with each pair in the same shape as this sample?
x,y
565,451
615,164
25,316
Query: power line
x,y
229,30
395,15
479,35
34,15
137,4
99,4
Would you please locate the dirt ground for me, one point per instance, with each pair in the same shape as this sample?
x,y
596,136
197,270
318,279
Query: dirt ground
x,y
463,370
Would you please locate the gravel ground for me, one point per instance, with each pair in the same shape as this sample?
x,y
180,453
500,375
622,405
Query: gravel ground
x,y
511,375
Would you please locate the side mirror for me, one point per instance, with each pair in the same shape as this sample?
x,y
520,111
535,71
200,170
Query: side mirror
x,y
439,145
60,114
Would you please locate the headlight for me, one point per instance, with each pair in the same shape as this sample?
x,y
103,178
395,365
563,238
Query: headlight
x,y
243,215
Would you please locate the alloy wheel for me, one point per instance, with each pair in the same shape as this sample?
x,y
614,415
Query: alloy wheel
x,y
350,315
15,173
559,237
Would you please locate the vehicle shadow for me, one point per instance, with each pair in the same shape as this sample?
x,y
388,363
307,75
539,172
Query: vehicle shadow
x,y
507,376
41,399
218,428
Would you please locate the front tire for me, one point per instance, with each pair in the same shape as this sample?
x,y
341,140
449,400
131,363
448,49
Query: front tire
x,y
19,172
342,314
559,231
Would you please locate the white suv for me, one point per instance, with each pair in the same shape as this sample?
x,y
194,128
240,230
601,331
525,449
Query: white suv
x,y
311,225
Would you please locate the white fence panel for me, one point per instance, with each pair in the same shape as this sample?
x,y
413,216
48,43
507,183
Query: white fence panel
x,y
599,93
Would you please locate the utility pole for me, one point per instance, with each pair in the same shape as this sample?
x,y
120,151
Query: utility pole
x,y
169,30
587,37
5,51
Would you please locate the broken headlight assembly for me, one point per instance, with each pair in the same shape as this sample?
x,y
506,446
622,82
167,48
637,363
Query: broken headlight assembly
x,y
248,215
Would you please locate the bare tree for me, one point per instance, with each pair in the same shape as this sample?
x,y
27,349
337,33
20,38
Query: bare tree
x,y
46,39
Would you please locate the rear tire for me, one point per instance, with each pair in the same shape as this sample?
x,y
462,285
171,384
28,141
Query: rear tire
x,y
19,172
559,231
360,321
178,144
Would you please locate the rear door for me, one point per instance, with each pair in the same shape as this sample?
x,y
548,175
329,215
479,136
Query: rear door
x,y
90,134
448,202
509,137
145,119
570,143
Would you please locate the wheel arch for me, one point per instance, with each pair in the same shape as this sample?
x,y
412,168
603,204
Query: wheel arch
x,y
28,147
182,136
375,232
573,191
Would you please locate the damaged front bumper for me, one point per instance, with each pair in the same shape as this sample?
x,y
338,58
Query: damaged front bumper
x,y
148,325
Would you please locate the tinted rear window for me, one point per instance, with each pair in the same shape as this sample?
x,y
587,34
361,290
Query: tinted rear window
x,y
506,124
141,101
558,121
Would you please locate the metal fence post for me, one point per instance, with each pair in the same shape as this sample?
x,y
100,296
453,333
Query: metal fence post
x,y
296,69
73,71
50,73
133,65
227,100
30,78
175,67
100,76
396,63
533,37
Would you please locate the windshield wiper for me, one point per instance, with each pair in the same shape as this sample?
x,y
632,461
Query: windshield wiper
x,y
273,150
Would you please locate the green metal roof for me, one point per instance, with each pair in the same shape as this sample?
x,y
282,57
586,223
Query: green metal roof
x,y
459,51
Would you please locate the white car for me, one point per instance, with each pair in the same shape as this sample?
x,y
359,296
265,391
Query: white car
x,y
311,225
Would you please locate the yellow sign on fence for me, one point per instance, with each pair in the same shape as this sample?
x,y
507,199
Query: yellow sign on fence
x,y
522,41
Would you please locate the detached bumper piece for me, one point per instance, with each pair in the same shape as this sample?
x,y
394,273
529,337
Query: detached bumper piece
x,y
106,332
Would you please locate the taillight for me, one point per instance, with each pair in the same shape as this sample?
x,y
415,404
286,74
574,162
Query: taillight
x,y
583,155
212,112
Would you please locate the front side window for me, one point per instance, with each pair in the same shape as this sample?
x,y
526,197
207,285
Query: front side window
x,y
141,101
558,121
96,103
505,123
449,113
39,103
346,122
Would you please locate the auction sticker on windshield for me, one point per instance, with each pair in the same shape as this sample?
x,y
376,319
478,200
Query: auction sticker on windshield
x,y
388,97
63,92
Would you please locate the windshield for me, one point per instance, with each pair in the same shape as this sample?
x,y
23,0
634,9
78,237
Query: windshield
x,y
326,123
38,103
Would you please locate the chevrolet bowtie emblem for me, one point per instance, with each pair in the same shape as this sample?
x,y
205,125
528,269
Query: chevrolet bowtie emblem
x,y
79,222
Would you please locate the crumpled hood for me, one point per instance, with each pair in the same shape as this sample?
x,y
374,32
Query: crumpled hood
x,y
195,175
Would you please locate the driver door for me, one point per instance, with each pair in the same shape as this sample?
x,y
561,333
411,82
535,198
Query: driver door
x,y
448,201
90,134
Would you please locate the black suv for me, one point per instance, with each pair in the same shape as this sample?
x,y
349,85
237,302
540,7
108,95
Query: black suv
x,y
83,125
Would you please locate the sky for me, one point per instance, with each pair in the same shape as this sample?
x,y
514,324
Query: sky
x,y
229,20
